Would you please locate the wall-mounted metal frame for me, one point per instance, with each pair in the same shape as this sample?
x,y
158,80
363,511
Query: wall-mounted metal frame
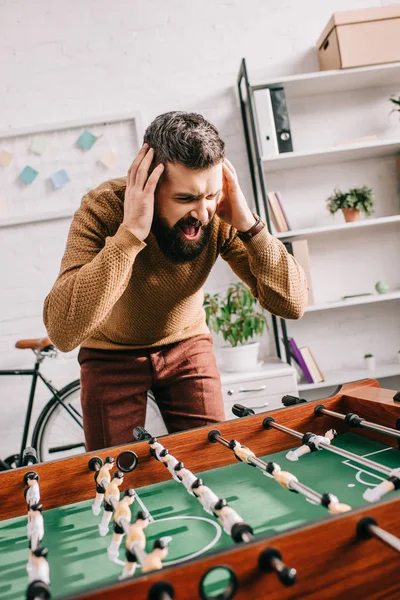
x,y
245,91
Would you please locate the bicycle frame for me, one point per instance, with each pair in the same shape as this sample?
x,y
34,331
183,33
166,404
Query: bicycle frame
x,y
35,374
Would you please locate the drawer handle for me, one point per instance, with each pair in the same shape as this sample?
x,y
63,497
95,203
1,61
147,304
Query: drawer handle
x,y
261,406
260,389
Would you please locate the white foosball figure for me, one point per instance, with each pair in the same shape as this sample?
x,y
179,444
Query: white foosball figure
x,y
122,515
164,457
135,538
333,505
153,560
102,479
186,477
32,492
242,452
226,515
313,444
389,485
39,568
205,496
35,527
284,478
111,498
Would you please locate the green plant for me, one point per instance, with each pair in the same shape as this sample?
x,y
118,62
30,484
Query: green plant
x,y
396,102
359,198
368,355
234,314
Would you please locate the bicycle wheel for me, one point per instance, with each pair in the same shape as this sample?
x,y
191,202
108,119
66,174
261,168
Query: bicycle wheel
x,y
56,434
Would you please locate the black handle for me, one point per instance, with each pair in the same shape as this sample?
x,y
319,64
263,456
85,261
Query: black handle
x,y
292,400
141,434
242,411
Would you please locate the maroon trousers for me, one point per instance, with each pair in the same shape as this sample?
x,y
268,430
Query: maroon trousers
x,y
183,378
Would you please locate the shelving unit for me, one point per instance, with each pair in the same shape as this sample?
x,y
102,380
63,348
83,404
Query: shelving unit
x,y
313,90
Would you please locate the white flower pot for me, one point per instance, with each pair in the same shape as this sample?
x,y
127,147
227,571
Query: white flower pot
x,y
369,363
240,358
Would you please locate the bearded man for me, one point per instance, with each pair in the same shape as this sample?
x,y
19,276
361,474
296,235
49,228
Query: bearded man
x,y
129,291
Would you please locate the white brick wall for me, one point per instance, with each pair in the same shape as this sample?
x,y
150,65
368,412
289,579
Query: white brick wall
x,y
60,62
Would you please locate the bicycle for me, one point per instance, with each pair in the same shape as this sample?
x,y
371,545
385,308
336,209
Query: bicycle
x,y
58,431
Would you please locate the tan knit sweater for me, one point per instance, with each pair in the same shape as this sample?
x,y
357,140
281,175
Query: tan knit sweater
x,y
117,292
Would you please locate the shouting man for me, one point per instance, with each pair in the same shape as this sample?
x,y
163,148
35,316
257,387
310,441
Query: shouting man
x,y
129,290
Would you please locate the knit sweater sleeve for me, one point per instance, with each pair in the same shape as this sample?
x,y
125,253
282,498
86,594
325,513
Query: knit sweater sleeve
x,y
95,270
272,274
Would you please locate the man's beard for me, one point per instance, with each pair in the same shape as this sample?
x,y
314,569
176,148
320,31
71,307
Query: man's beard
x,y
174,246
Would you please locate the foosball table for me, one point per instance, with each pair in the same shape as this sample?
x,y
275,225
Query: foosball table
x,y
300,502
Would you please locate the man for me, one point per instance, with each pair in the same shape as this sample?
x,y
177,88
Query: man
x,y
129,290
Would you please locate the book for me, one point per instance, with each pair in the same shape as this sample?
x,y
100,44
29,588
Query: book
x,y
280,201
276,213
312,366
299,249
266,132
281,119
295,352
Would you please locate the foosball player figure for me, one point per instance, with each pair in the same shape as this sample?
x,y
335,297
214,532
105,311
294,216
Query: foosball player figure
x,y
160,453
32,492
35,527
102,478
153,560
111,498
185,476
231,522
135,537
388,485
39,576
311,443
242,453
122,514
205,496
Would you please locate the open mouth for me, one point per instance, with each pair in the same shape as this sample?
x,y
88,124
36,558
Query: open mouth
x,y
190,232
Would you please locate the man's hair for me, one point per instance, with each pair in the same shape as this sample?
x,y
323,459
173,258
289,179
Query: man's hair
x,y
186,138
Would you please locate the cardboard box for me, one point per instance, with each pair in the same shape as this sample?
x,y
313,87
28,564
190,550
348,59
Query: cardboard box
x,y
357,38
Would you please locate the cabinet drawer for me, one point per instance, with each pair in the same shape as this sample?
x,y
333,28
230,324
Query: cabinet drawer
x,y
257,388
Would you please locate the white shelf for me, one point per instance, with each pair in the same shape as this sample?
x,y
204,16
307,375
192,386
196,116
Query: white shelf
x,y
334,81
341,376
310,231
354,301
37,218
336,154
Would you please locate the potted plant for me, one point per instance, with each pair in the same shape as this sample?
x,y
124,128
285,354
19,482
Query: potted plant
x,y
239,318
369,361
352,202
396,102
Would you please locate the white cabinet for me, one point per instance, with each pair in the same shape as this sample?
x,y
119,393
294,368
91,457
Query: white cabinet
x,y
261,390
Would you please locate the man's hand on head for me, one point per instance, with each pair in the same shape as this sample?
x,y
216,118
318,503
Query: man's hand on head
x,y
139,193
233,207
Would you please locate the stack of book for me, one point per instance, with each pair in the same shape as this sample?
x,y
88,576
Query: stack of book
x,y
274,135
306,362
277,212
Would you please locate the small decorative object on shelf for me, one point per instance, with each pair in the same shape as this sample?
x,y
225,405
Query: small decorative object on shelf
x,y
239,318
382,287
369,361
352,202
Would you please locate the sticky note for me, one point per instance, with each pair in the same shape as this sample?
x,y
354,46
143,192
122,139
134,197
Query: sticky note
x,y
5,158
38,145
86,140
109,160
28,175
59,178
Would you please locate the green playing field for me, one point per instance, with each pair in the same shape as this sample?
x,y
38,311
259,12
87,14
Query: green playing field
x,y
77,554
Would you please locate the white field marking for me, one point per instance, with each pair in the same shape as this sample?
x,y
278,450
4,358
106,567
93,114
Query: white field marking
x,y
351,485
117,561
361,470
143,507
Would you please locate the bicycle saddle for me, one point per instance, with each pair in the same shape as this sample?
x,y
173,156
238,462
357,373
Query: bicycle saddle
x,y
37,344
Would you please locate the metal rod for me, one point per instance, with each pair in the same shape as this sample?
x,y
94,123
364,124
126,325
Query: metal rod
x,y
384,536
359,459
363,423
